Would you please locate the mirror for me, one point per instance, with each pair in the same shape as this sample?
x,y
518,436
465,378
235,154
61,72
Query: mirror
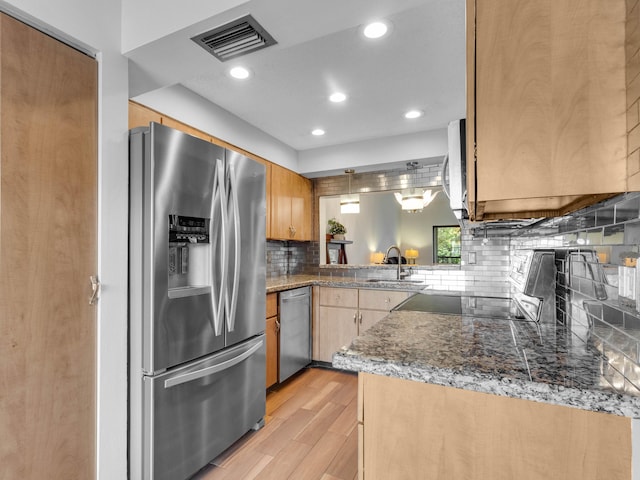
x,y
382,223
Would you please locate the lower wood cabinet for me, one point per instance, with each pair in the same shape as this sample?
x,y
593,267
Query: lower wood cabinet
x,y
272,333
341,314
409,429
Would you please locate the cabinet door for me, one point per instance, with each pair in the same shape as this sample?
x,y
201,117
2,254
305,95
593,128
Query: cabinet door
x,y
549,103
291,199
301,200
339,297
280,203
336,328
272,338
380,299
271,332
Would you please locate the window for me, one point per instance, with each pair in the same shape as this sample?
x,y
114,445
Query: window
x,y
446,244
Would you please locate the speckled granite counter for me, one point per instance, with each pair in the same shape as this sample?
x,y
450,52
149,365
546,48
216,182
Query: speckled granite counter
x,y
278,284
510,358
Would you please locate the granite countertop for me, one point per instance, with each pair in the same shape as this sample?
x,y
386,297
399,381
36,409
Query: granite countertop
x,y
287,282
513,358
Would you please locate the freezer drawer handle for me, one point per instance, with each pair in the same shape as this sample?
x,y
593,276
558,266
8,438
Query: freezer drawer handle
x,y
205,372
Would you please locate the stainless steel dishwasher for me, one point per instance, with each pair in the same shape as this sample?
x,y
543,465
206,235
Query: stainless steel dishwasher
x,y
295,331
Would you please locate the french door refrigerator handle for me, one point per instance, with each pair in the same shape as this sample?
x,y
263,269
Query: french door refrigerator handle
x,y
231,309
219,197
205,372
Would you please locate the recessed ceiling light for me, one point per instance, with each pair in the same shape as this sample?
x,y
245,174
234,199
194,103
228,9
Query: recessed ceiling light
x,y
239,72
413,114
337,97
317,132
375,30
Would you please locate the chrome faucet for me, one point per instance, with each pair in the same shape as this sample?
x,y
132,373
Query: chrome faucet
x,y
386,258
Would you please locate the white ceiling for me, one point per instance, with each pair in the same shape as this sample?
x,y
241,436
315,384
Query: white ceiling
x,y
419,65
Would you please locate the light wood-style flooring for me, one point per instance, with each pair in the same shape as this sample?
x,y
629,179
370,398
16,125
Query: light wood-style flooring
x,y
310,433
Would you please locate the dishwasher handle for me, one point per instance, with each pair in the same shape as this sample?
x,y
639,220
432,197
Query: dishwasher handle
x,y
295,294
205,372
295,297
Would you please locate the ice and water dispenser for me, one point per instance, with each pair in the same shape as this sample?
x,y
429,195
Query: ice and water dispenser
x,y
189,253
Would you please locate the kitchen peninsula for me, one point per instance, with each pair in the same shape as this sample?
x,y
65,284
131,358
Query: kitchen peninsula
x,y
464,397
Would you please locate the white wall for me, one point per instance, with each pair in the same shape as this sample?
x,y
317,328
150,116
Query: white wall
x,y
376,153
188,107
95,25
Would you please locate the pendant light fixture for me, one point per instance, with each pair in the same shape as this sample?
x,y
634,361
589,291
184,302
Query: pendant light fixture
x,y
350,203
412,199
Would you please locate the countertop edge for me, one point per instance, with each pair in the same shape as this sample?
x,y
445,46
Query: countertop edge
x,y
584,399
280,284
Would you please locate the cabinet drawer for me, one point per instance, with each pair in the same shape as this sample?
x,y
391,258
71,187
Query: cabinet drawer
x,y
381,299
339,297
272,304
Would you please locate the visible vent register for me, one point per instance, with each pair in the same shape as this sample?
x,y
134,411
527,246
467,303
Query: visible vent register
x,y
239,37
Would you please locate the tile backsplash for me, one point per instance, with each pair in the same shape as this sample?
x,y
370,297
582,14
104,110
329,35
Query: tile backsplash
x,y
599,303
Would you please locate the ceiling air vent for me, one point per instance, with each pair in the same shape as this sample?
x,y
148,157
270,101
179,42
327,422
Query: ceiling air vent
x,y
239,37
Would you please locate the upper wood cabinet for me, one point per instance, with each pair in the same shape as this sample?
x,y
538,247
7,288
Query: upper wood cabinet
x,y
546,112
291,200
141,116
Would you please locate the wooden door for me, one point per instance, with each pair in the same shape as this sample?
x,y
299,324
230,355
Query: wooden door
x,y
48,202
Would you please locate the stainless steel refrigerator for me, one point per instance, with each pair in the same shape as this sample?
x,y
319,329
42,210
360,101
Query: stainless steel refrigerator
x,y
197,269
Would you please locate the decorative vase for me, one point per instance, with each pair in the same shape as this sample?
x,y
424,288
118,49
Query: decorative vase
x,y
338,236
329,237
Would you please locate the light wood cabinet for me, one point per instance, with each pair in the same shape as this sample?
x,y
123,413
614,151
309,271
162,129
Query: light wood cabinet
x,y
272,332
141,116
546,111
291,205
409,429
344,313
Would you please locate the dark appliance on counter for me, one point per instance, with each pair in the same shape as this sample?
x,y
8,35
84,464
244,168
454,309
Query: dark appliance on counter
x,y
197,282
